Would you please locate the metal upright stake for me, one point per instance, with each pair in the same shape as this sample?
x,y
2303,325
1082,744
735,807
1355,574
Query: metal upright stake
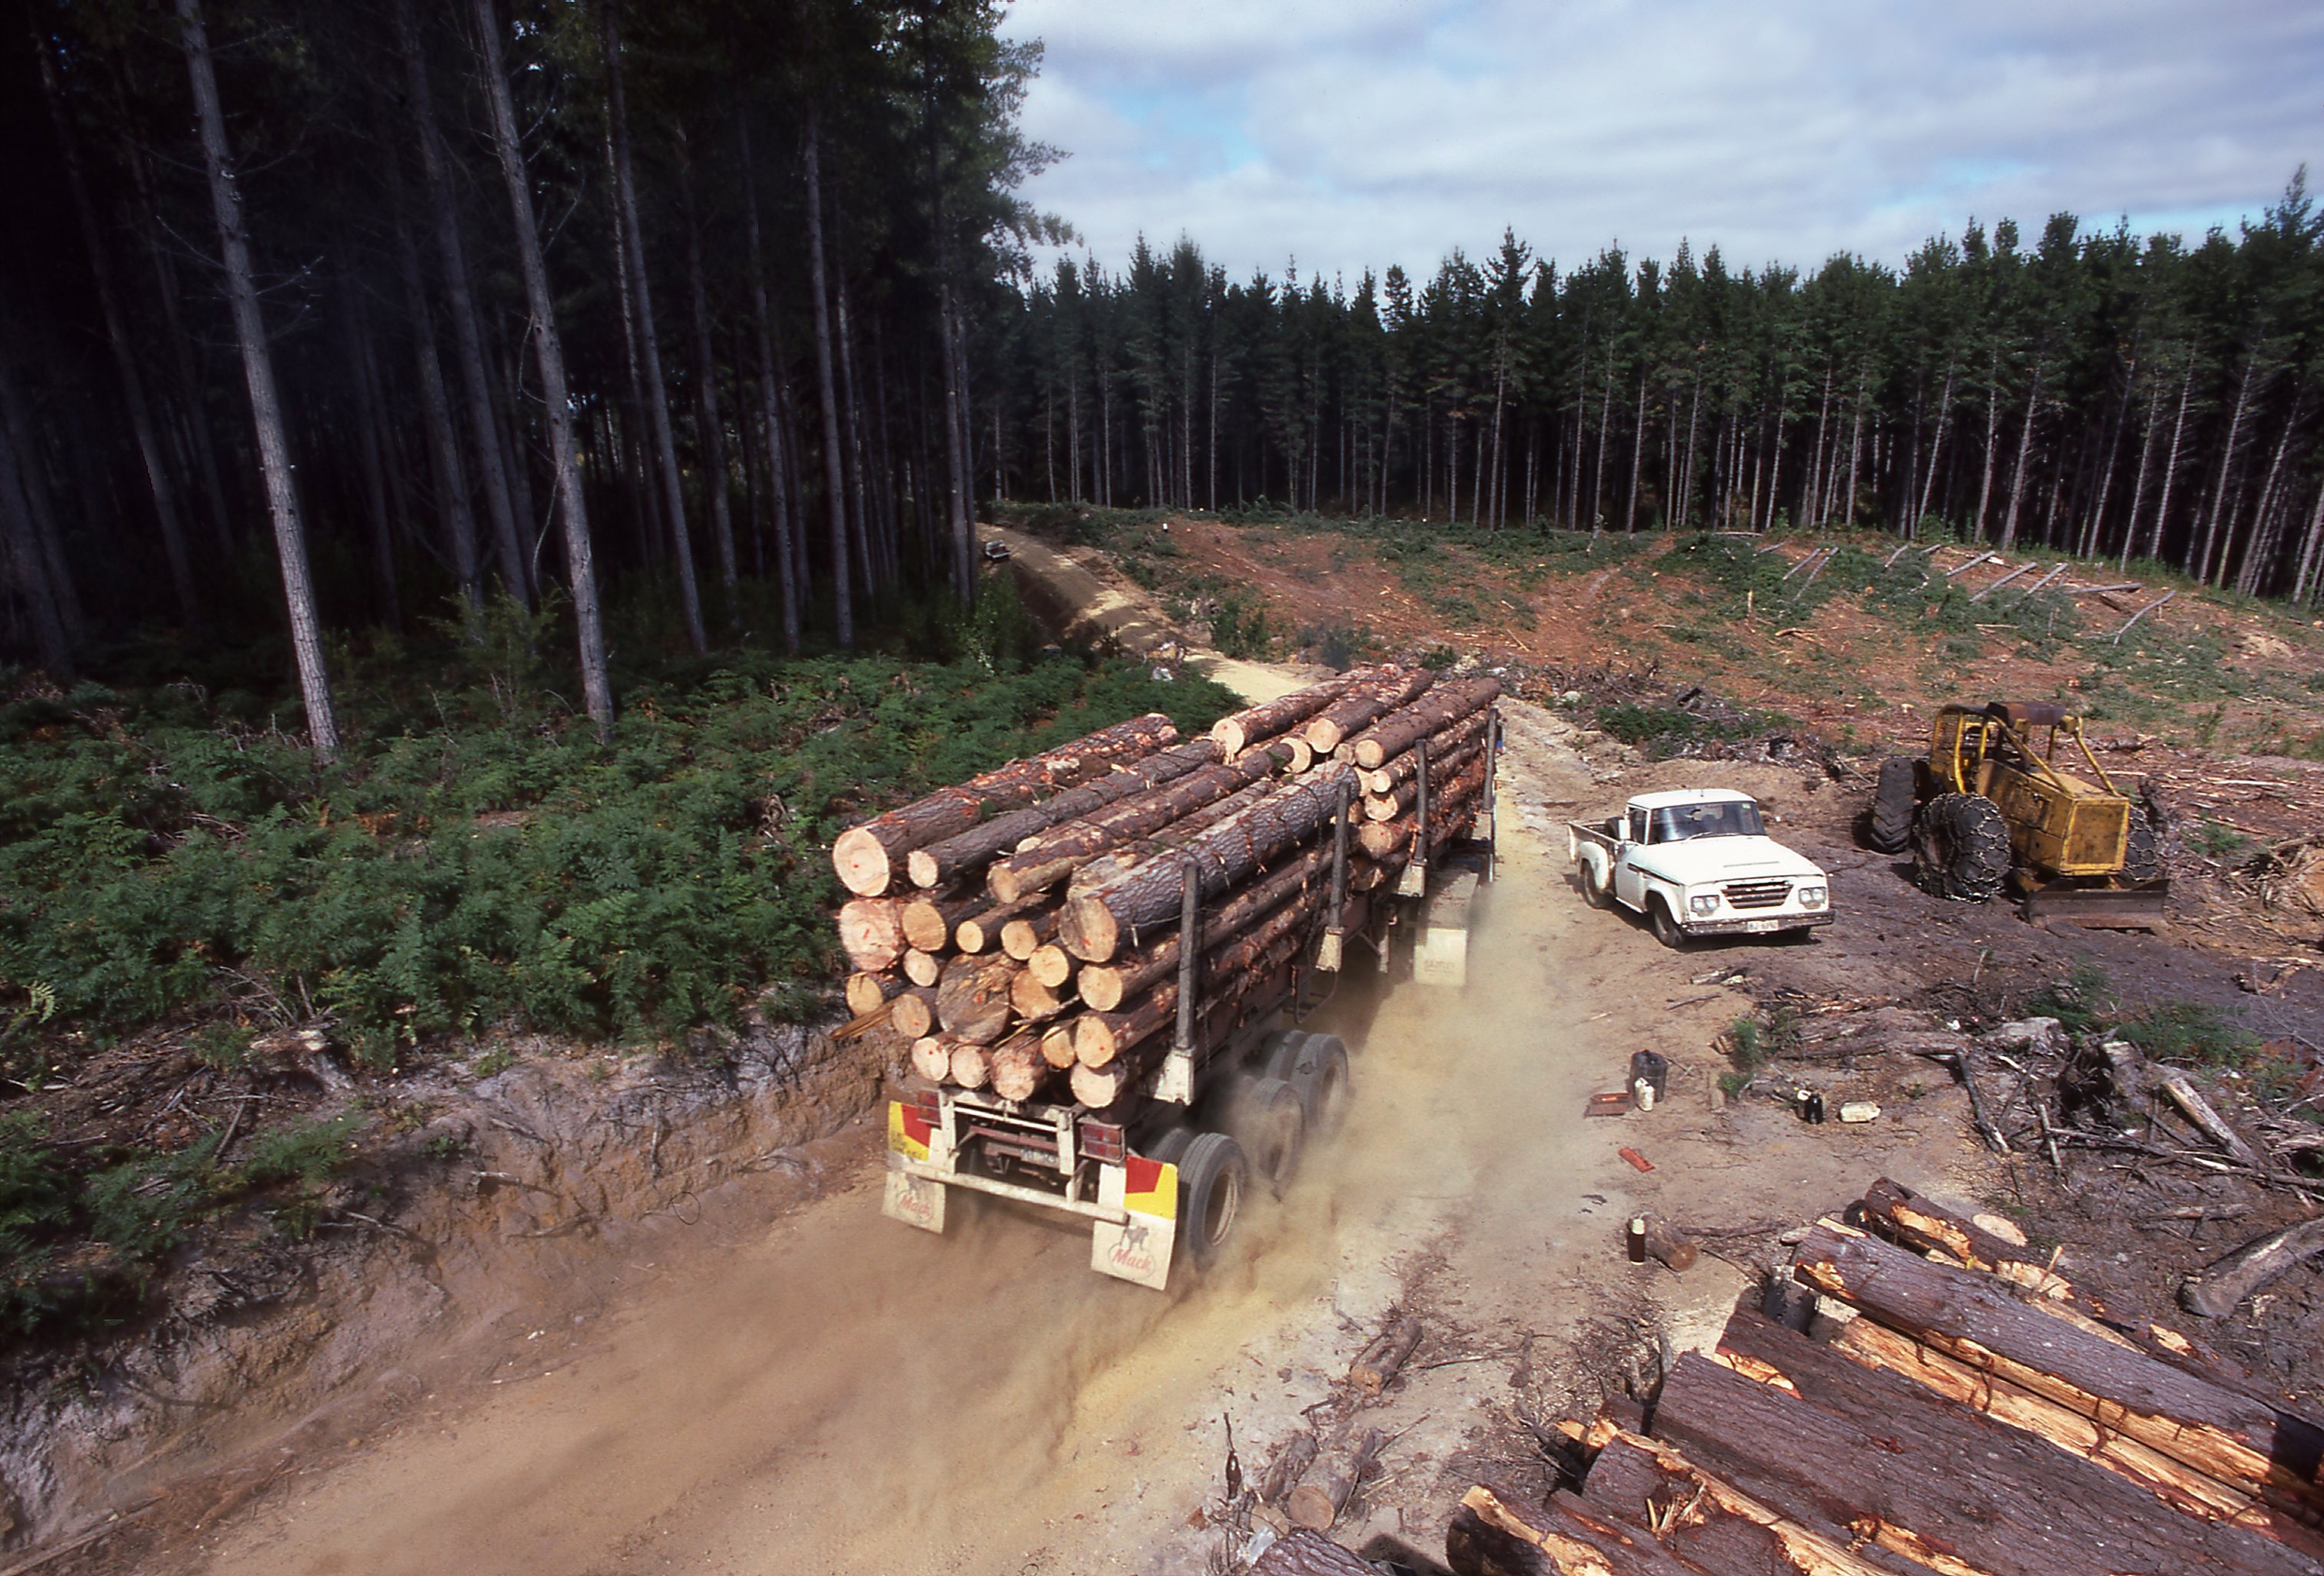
x,y
1415,879
1190,946
1334,932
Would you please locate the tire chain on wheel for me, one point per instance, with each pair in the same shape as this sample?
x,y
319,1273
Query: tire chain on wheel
x,y
1960,848
2142,851
1891,828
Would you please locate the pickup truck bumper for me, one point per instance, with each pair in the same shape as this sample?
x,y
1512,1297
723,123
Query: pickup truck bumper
x,y
1764,926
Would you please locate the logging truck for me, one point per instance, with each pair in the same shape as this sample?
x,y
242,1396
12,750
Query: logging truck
x,y
1697,862
1164,1170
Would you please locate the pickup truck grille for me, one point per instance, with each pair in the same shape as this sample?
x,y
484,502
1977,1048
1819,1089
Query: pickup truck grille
x,y
1756,893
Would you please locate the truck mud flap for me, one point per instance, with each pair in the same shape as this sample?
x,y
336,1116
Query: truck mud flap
x,y
912,1199
1139,1248
2099,908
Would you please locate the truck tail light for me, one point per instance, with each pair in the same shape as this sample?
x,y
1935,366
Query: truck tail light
x,y
1102,1140
928,1107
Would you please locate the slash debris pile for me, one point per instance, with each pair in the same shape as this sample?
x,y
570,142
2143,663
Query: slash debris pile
x,y
1022,930
1917,1394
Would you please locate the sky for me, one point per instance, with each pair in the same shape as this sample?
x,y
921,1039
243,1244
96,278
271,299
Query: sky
x,y
1337,134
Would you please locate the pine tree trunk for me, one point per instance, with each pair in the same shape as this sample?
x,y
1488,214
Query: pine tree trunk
x,y
851,423
2170,464
1992,430
2025,449
956,445
1637,455
258,366
549,352
712,438
436,413
370,415
16,427
467,337
2138,487
770,402
2312,544
834,482
126,353
29,567
2201,564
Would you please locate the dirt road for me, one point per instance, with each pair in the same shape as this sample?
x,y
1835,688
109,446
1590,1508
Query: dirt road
x,y
841,1394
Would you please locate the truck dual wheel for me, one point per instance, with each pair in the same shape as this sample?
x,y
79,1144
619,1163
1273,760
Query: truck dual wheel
x,y
1316,1067
2142,851
1891,828
1271,1123
1212,1180
1594,891
1960,848
1666,927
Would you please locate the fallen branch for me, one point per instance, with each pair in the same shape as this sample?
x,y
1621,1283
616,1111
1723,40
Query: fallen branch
x,y
2143,612
2217,1291
2212,1125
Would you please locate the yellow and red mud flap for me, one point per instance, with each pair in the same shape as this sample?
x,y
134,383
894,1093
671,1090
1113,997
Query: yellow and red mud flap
x,y
915,1200
1139,1249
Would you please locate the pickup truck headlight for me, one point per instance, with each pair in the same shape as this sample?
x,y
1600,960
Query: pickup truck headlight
x,y
1812,897
1703,902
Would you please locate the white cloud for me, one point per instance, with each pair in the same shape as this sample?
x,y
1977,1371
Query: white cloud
x,y
1366,132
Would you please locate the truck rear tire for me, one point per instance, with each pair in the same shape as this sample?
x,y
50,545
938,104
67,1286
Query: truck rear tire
x,y
1960,848
1211,1181
1595,892
1891,828
1271,1123
1322,1083
1666,927
1283,1050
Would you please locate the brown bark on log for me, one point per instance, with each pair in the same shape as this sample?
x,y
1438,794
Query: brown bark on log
x,y
1051,964
922,968
928,920
1492,1536
1096,926
1032,1001
1363,705
1447,803
872,933
1380,1362
2216,1292
1903,1216
1101,1087
2207,1118
1107,986
866,856
914,1012
867,991
1018,1070
1023,935
2235,1438
1666,1244
1258,723
1701,1523
1384,778
2173,1483
1058,851
1316,1503
1846,1450
972,1065
943,862
931,1058
971,998
1442,708
1288,1468
979,930
1310,1553
1101,1036
1443,775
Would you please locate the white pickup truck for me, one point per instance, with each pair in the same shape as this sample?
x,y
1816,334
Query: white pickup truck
x,y
1698,862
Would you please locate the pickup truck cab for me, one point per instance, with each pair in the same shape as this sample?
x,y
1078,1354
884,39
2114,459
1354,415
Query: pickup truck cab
x,y
1698,862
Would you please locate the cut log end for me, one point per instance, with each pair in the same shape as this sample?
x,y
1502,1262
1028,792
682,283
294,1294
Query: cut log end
x,y
932,1059
1088,930
920,865
1051,964
861,862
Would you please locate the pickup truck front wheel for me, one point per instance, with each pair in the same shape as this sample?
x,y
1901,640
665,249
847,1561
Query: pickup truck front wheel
x,y
1666,929
1594,892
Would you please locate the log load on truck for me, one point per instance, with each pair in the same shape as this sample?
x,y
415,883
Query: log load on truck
x,y
1100,956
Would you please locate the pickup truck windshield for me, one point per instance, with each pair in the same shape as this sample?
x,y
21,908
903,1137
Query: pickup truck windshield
x,y
1732,818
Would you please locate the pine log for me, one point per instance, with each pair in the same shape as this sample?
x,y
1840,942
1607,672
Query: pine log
x,y
1302,1553
1101,1036
928,920
1671,1246
1032,1001
1288,1468
2216,1292
1702,1523
1362,705
942,862
971,998
1051,964
2175,1483
2238,1439
931,1058
866,992
1440,708
972,1065
1252,724
1903,1216
1057,1046
1495,1535
1107,986
1384,778
2200,1112
1848,1450
1063,849
872,933
914,1012
868,856
1018,1070
1097,925
979,930
1100,1087
1385,839
1316,1503
922,968
1023,936
1378,1364
1442,774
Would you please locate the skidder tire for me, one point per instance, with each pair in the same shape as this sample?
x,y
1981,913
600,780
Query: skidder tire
x,y
1666,927
1271,1124
1960,848
1594,892
1212,1180
2142,851
1891,828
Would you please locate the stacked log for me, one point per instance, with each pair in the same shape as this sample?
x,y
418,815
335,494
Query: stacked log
x,y
1978,1417
1020,931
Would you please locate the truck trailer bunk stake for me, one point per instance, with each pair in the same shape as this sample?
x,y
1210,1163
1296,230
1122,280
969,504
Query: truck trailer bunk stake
x,y
1414,881
1336,932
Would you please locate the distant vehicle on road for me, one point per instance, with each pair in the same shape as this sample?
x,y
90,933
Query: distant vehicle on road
x,y
1698,862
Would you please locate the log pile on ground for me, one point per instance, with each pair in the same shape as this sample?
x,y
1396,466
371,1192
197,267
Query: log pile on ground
x,y
1021,930
1951,1405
